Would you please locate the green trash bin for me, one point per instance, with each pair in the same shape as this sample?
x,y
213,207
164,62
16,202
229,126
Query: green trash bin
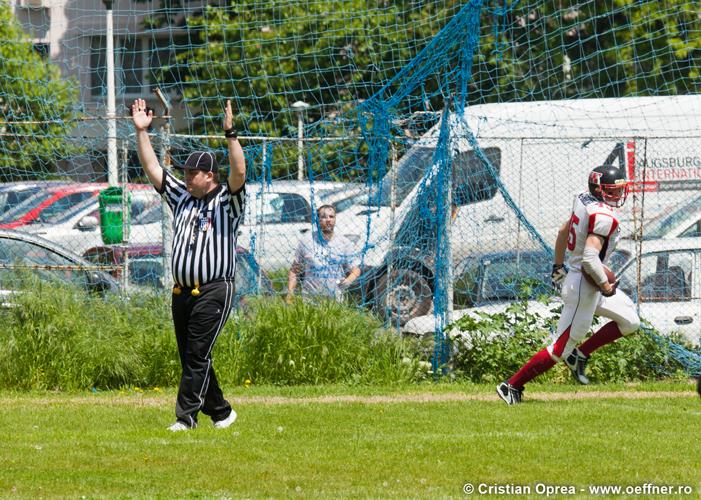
x,y
111,216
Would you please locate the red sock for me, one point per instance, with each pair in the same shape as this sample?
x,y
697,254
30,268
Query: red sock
x,y
541,362
606,334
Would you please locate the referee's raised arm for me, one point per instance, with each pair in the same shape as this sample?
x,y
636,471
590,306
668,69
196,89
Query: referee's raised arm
x,y
149,161
237,162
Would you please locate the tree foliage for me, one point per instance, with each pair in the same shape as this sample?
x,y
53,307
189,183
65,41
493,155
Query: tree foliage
x,y
336,54
555,50
36,105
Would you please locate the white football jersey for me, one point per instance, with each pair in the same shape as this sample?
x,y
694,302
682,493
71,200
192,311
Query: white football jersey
x,y
591,216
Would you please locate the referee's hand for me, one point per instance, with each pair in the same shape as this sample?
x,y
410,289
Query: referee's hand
x,y
141,115
228,116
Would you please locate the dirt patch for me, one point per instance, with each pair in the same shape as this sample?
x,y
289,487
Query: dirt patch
x,y
419,398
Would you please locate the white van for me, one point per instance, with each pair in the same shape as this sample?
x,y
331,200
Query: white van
x,y
542,152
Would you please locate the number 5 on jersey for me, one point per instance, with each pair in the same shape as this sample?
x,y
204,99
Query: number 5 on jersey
x,y
572,238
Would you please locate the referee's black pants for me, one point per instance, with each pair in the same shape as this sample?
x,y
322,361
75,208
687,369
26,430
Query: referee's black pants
x,y
198,321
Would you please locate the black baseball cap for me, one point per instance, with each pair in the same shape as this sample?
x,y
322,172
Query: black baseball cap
x,y
200,160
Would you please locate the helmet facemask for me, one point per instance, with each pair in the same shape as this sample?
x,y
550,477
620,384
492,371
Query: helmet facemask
x,y
614,195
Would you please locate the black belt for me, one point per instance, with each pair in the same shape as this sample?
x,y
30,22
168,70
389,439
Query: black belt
x,y
195,291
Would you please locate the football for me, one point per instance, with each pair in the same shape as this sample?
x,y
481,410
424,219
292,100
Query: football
x,y
609,274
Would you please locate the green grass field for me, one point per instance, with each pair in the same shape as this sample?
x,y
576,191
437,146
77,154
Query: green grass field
x,y
419,441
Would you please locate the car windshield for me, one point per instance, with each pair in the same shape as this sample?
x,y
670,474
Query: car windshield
x,y
10,198
515,278
62,203
27,205
410,169
473,179
146,270
150,216
26,253
86,206
686,214
506,277
341,199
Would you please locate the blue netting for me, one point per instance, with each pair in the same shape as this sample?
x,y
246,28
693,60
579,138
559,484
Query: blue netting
x,y
450,135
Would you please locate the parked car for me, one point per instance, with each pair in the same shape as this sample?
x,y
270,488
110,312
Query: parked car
x,y
146,268
48,203
25,253
145,262
78,228
490,282
14,193
668,291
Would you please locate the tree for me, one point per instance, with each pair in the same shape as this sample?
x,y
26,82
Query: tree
x,y
36,106
551,49
332,54
337,54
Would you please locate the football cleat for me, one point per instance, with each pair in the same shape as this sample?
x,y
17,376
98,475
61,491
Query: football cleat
x,y
510,394
577,363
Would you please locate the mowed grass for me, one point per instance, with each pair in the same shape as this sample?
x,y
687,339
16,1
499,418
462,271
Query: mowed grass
x,y
414,441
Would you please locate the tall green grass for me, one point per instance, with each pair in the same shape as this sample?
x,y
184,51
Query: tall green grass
x,y
59,338
316,342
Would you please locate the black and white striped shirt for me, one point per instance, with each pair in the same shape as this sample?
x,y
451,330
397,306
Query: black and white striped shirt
x,y
204,232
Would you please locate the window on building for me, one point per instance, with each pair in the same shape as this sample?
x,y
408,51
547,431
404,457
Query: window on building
x,y
132,66
129,68
140,63
164,67
35,21
98,66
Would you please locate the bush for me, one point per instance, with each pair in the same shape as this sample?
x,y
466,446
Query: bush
x,y
59,338
495,346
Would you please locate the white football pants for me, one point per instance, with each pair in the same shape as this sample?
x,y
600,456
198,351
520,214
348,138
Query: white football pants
x,y
582,301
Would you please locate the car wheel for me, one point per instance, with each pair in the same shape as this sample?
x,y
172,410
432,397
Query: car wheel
x,y
403,295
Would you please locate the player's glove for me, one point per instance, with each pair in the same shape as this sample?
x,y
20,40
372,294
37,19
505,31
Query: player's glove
x,y
557,276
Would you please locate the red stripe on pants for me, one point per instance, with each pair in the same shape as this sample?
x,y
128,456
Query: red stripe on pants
x,y
560,343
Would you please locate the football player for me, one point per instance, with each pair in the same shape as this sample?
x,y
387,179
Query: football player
x,y
590,235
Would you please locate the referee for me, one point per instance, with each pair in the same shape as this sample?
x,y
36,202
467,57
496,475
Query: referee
x,y
206,216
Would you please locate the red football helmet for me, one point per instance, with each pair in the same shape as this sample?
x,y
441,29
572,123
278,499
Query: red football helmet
x,y
609,185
